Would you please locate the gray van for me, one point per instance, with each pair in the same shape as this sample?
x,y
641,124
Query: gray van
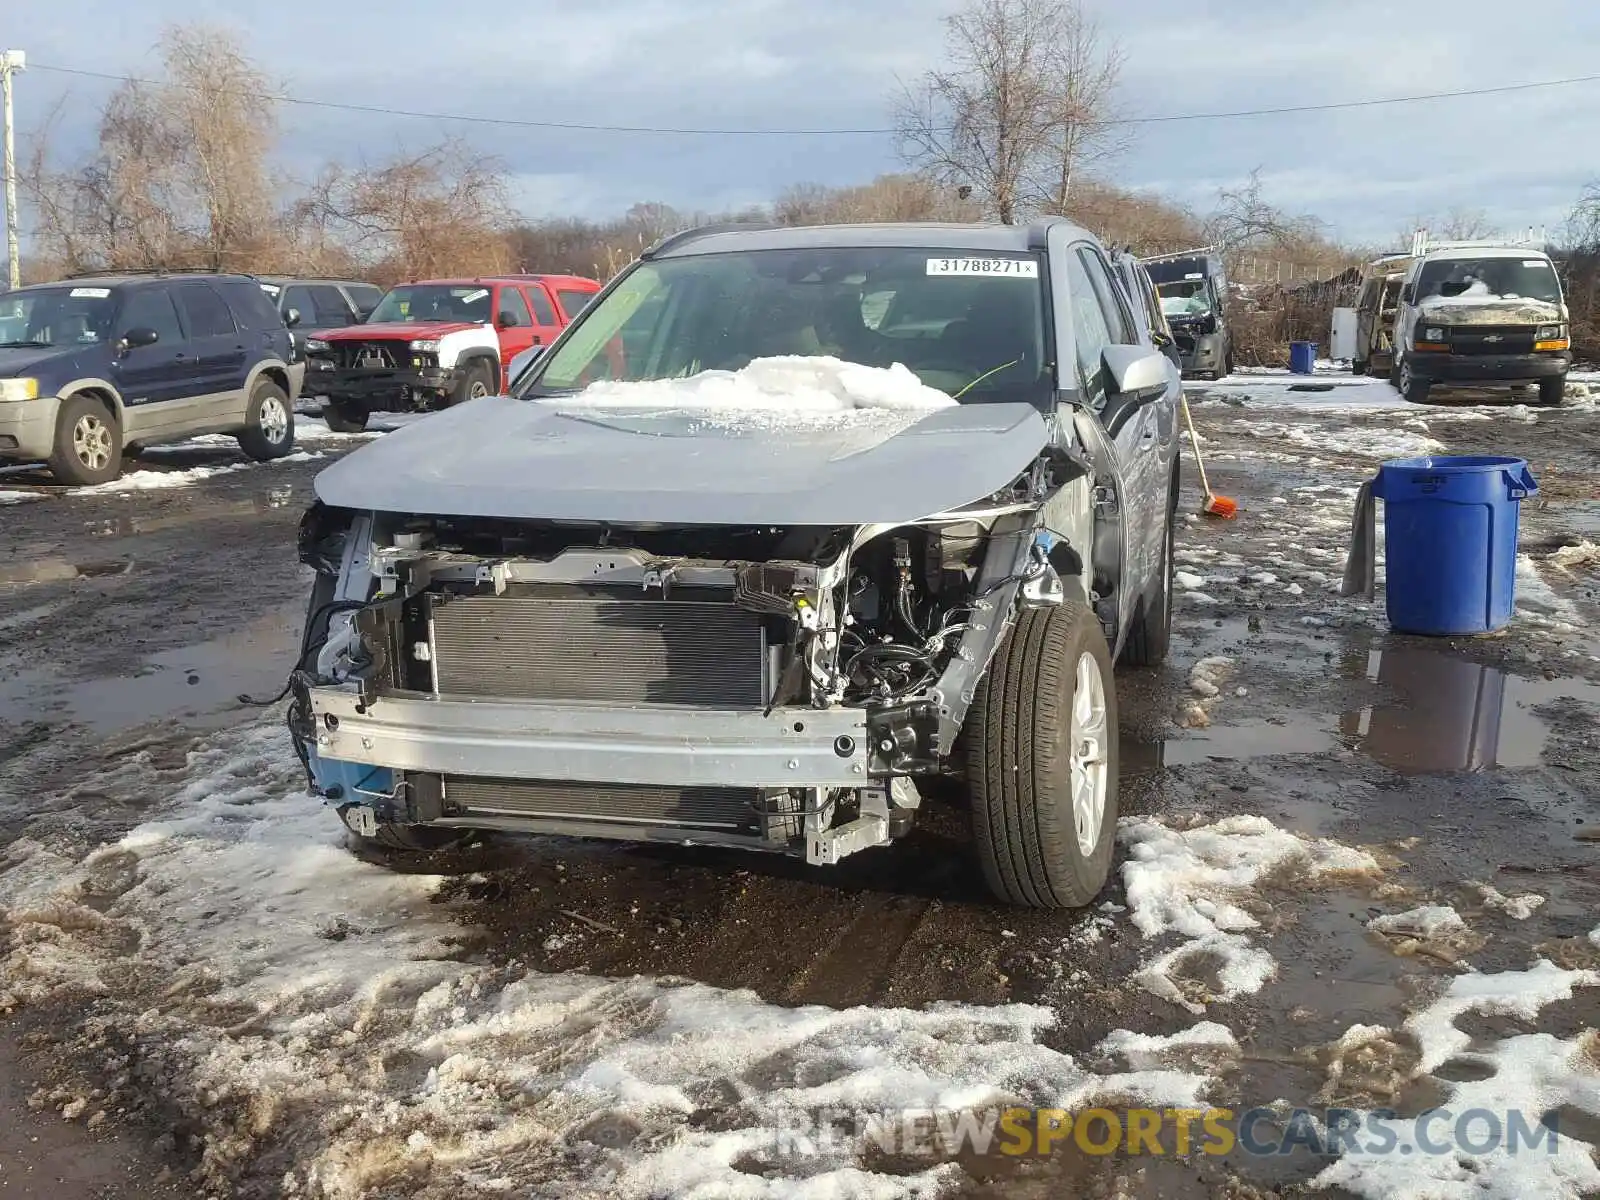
x,y
1193,287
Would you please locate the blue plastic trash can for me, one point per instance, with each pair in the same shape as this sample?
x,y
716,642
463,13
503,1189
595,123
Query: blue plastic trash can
x,y
1450,527
1303,358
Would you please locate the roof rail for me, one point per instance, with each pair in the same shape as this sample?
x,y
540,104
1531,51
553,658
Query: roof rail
x,y
1422,244
684,236
1197,252
108,272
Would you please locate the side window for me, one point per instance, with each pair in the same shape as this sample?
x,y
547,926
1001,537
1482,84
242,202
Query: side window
x,y
1090,332
574,302
252,308
204,311
151,308
299,297
364,296
329,306
1118,322
514,306
543,310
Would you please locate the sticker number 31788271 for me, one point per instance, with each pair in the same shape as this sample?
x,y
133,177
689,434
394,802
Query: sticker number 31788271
x,y
1017,268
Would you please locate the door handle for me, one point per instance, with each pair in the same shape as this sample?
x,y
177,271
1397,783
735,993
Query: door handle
x,y
537,340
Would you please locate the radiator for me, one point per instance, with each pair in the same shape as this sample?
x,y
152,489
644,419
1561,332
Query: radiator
x,y
599,647
727,809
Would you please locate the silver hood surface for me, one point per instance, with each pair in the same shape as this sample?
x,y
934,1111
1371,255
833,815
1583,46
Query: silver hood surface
x,y
532,460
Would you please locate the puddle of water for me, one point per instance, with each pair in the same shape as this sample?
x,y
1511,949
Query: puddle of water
x,y
1249,739
56,570
1450,714
125,526
199,684
1438,714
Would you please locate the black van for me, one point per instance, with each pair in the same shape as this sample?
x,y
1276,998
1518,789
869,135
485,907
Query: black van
x,y
90,366
1194,288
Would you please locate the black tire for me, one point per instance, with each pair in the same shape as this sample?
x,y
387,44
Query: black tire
x,y
394,838
1019,747
1358,366
88,446
1552,391
1413,389
1227,362
268,431
343,417
1150,635
477,381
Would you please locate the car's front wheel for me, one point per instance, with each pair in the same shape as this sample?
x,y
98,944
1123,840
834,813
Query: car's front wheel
x,y
1042,761
268,423
476,382
1552,391
345,418
1413,389
88,446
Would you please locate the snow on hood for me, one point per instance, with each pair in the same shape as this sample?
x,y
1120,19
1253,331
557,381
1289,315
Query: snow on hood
x,y
1479,306
782,442
785,384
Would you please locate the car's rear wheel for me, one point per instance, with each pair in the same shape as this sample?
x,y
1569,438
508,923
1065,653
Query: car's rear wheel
x,y
476,382
268,423
1041,752
88,446
343,417
1552,391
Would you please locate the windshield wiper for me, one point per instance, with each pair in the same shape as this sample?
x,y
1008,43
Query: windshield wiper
x,y
27,343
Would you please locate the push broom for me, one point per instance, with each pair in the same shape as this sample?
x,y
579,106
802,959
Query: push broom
x,y
1213,505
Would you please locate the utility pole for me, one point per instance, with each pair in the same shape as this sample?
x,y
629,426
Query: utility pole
x,y
11,61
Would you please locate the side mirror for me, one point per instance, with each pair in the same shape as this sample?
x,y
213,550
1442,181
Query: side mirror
x,y
1135,371
139,336
1409,293
506,320
521,365
1161,340
291,318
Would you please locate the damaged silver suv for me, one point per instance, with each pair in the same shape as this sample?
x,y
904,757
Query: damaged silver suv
x,y
786,525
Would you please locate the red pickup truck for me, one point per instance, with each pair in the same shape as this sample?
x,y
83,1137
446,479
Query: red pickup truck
x,y
437,342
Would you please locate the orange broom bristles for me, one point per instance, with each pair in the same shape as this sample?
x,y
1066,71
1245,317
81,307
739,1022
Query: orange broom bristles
x,y
1213,505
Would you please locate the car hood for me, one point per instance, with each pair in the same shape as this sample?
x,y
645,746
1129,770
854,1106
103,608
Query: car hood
x,y
1490,310
18,360
397,330
534,460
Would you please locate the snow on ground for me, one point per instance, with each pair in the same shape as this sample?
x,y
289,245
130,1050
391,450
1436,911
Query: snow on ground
x,y
1521,1077
150,481
1204,882
290,996
779,385
19,497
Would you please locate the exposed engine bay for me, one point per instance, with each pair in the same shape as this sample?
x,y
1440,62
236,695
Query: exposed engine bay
x,y
773,686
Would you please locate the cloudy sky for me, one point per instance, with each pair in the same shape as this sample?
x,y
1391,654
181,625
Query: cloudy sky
x,y
832,64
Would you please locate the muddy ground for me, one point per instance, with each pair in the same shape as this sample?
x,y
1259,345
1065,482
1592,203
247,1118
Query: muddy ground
x,y
131,622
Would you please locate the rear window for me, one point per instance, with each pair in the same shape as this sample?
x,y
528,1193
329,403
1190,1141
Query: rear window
x,y
573,302
251,305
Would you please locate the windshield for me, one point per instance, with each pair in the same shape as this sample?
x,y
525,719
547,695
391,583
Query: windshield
x,y
57,316
1513,278
435,302
1184,298
972,326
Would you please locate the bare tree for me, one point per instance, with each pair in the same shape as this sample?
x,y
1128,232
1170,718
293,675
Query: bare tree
x,y
984,121
442,211
886,198
180,175
1084,129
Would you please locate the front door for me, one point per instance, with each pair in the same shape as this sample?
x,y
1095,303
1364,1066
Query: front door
x,y
151,378
1141,435
547,322
513,324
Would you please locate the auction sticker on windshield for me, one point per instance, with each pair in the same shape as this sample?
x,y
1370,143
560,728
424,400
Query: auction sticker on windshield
x,y
91,293
1017,268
